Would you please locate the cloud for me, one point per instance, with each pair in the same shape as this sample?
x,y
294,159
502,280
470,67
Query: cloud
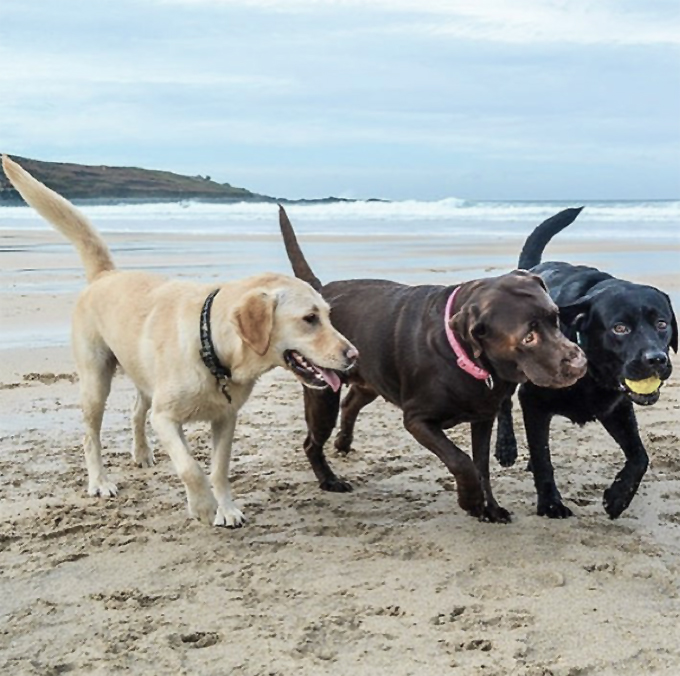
x,y
516,22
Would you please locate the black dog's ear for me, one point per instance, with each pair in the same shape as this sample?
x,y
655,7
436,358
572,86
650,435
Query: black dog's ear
x,y
467,325
674,325
578,309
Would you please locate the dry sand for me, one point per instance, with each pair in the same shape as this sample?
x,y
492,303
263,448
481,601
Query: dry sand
x,y
391,579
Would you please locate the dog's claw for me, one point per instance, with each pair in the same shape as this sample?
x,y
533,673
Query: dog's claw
x,y
103,489
229,517
336,485
554,510
495,514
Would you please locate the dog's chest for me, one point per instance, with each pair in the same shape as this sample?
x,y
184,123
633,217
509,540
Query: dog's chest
x,y
213,403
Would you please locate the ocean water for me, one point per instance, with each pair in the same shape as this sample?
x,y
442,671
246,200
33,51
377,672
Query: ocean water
x,y
451,218
411,242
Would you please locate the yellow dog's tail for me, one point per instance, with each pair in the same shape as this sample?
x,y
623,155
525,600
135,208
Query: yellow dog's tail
x,y
68,220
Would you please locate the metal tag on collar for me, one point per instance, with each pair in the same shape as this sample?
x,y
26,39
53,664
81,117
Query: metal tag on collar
x,y
489,382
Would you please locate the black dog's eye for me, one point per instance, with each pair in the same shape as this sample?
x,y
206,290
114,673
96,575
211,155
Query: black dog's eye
x,y
662,325
621,329
312,318
529,338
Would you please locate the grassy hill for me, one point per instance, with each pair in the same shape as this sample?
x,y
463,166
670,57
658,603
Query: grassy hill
x,y
123,184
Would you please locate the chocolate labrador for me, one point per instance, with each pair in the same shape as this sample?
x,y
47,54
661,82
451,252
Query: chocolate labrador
x,y
444,355
626,331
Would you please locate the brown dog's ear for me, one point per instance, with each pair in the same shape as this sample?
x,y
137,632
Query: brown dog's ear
x,y
467,325
532,276
254,319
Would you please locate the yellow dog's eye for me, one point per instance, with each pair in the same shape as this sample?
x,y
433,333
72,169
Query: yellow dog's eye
x,y
621,329
311,318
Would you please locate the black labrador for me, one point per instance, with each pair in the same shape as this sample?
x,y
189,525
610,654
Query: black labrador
x,y
625,330
444,355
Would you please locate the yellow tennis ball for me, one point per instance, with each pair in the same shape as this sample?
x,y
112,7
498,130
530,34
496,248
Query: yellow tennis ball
x,y
646,386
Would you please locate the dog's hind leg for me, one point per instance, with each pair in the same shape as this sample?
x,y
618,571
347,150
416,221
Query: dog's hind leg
x,y
200,500
321,413
622,426
356,399
228,514
96,366
506,442
142,455
537,426
481,443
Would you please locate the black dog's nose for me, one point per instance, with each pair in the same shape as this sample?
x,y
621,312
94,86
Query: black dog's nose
x,y
657,358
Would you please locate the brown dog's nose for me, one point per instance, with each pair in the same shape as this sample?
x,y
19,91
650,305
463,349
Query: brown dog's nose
x,y
576,360
351,354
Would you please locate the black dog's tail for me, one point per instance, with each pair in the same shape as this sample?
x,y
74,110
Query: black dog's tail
x,y
539,238
295,256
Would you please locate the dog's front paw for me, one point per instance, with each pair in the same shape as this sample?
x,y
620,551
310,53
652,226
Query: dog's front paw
x,y
335,484
553,509
229,516
202,507
102,488
617,498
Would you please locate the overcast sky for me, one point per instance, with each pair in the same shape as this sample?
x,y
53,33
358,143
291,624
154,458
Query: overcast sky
x,y
425,99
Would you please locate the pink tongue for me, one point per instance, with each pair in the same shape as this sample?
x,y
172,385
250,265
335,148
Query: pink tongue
x,y
331,378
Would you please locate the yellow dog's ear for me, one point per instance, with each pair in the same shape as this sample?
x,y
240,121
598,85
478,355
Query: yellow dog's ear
x,y
254,319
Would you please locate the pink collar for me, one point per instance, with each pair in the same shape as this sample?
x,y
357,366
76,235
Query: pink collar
x,y
463,360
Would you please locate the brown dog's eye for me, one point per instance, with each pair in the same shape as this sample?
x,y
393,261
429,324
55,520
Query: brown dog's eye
x,y
529,338
662,325
620,329
312,318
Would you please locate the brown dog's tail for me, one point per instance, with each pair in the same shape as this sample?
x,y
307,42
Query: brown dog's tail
x,y
295,256
68,220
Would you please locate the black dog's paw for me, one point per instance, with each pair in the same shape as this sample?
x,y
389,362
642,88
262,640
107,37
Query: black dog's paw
x,y
553,509
496,514
336,485
616,499
506,450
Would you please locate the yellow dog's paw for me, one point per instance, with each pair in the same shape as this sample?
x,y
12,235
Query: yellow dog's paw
x,y
102,488
229,517
203,508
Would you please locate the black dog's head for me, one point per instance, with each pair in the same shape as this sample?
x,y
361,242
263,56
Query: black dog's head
x,y
626,331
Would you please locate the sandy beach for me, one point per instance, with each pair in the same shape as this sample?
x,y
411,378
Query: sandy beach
x,y
390,579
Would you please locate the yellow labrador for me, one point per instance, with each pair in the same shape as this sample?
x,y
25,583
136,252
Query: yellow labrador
x,y
193,351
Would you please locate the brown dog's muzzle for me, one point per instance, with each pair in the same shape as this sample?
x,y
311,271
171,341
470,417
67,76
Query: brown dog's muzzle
x,y
561,366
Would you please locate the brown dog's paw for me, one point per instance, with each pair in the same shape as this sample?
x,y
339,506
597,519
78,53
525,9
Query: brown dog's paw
x,y
343,445
496,514
336,485
473,505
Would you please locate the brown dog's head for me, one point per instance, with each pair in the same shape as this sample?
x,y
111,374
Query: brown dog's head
x,y
514,323
287,323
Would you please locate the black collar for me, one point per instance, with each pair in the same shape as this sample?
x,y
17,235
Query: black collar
x,y
208,355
